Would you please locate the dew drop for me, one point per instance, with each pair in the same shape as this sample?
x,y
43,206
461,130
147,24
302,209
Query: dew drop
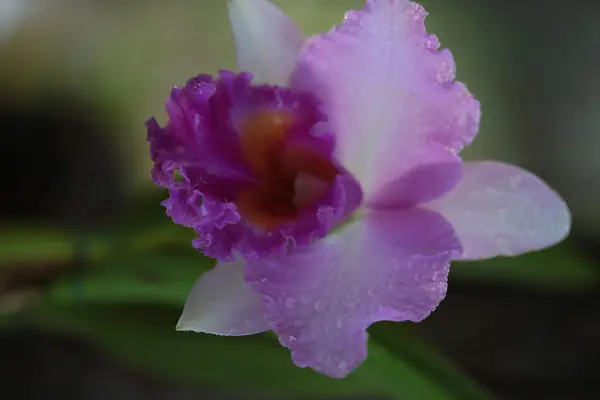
x,y
339,322
343,365
516,182
492,191
503,243
320,306
432,43
351,16
445,72
290,302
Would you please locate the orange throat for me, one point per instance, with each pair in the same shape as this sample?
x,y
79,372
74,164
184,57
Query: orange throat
x,y
291,177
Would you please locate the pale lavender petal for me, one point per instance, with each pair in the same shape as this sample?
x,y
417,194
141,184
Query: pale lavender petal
x,y
389,93
267,41
500,209
387,265
221,303
421,184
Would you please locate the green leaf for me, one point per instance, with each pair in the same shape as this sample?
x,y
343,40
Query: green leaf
x,y
112,314
160,278
404,341
144,337
143,226
31,244
561,267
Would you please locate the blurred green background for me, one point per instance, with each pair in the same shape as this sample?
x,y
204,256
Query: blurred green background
x,y
93,275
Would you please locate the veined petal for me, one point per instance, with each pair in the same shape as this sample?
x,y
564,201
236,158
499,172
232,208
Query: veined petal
x,y
500,209
388,265
389,93
267,41
221,303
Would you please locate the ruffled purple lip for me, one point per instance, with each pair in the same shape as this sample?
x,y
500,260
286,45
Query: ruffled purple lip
x,y
257,167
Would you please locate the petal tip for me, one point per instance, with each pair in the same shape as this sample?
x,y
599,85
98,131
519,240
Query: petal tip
x,y
221,303
267,41
563,220
500,209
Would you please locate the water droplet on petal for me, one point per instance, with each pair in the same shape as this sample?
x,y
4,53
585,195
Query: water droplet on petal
x,y
432,43
445,72
339,322
290,302
343,365
492,191
320,306
503,242
516,182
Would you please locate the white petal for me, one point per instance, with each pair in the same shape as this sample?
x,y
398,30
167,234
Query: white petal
x,y
267,41
500,209
222,304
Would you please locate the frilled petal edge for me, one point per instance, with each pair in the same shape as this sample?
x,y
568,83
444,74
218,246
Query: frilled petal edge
x,y
387,265
389,93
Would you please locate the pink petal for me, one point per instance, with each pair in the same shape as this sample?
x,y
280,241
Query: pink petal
x,y
267,41
499,209
421,184
221,303
388,265
389,93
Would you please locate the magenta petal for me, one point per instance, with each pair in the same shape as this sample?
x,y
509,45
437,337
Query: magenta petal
x,y
389,93
201,142
421,184
221,303
183,205
388,265
499,209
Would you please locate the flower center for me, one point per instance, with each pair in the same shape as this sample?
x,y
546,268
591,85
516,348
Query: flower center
x,y
292,174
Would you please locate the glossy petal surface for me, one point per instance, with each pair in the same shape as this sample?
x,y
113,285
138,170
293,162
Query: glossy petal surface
x,y
267,41
389,93
387,265
499,209
221,303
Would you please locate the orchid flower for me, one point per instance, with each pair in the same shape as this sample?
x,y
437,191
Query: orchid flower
x,y
326,180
